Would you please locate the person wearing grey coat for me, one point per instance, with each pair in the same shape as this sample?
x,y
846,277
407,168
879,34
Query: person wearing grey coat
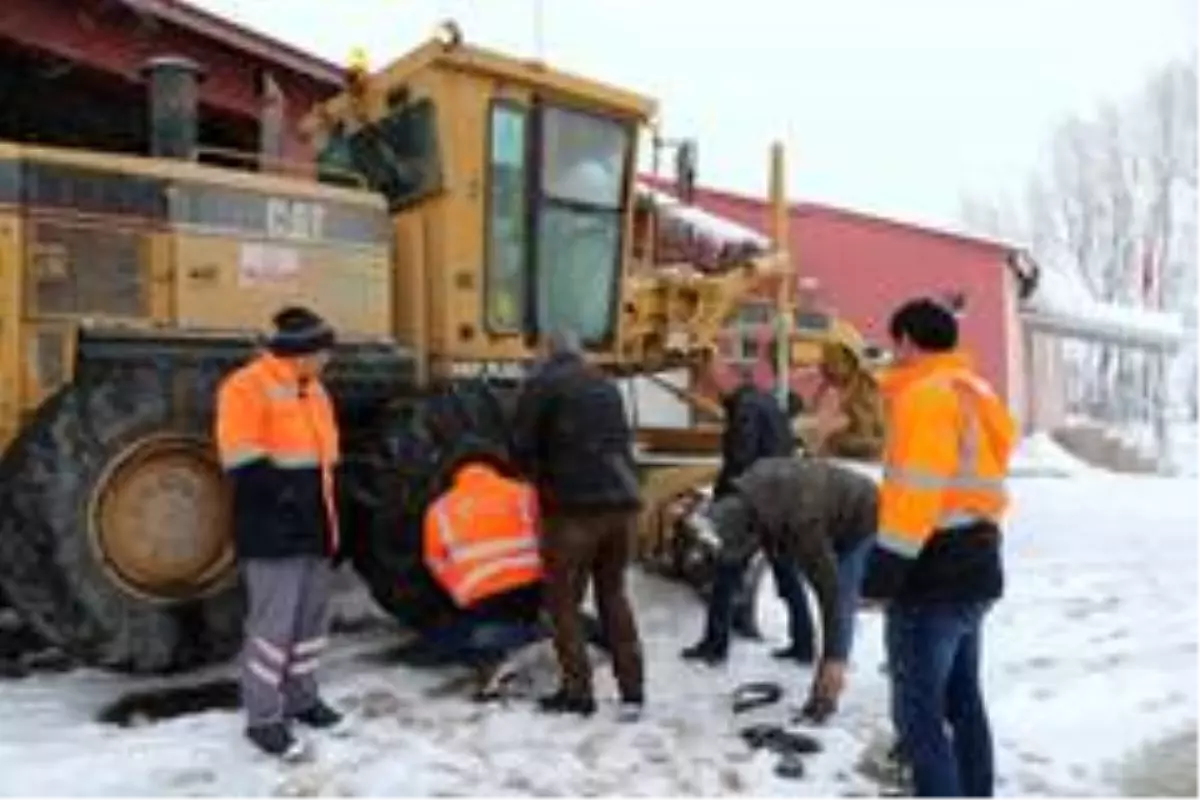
x,y
818,516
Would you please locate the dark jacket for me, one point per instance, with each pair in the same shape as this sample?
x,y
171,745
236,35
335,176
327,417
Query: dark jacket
x,y
808,511
273,433
755,427
571,435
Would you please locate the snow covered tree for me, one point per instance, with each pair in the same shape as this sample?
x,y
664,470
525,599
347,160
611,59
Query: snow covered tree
x,y
1117,206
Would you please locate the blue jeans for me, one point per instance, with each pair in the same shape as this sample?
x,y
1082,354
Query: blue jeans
x,y
851,564
497,626
790,587
933,655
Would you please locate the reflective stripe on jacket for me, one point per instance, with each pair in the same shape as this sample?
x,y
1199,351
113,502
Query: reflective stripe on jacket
x,y
949,439
480,538
277,438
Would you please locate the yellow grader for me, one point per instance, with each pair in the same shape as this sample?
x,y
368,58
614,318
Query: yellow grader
x,y
465,201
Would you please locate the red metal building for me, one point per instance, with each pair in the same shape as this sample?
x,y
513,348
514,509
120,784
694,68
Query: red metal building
x,y
70,74
865,266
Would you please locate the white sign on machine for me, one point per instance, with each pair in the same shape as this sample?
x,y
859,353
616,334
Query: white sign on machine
x,y
262,263
265,263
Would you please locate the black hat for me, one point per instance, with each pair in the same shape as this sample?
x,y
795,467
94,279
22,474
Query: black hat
x,y
299,332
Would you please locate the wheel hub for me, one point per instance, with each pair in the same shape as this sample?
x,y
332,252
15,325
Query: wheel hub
x,y
161,519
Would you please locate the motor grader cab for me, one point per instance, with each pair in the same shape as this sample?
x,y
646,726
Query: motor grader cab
x,y
513,194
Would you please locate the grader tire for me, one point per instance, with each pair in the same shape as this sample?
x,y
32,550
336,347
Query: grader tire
x,y
53,480
416,445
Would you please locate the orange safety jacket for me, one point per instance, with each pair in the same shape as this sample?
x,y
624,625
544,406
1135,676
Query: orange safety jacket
x,y
948,442
481,537
277,439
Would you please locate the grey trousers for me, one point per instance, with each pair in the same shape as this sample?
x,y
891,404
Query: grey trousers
x,y
285,633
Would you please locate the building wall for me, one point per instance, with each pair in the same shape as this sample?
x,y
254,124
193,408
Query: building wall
x,y
1016,352
115,41
1046,396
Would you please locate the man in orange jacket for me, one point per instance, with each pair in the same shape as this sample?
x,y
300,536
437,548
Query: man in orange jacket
x,y
481,545
278,443
937,560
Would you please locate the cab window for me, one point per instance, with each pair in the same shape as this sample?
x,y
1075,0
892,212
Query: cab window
x,y
396,156
507,219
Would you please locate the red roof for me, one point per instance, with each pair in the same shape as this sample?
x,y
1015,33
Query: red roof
x,y
190,17
723,201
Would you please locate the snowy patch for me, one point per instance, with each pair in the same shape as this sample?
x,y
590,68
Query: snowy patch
x,y
1039,455
1090,660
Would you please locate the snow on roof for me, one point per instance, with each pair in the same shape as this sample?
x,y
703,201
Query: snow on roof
x,y
704,223
1060,303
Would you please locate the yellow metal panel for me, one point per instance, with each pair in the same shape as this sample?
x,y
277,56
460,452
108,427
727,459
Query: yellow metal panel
x,y
10,324
162,277
190,172
227,283
478,63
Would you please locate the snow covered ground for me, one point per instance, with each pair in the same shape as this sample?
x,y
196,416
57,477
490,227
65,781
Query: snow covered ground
x,y
1090,660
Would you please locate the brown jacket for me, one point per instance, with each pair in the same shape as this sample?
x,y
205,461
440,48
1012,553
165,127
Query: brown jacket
x,y
858,401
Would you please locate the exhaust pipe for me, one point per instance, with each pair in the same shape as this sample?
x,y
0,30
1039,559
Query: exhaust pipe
x,y
174,83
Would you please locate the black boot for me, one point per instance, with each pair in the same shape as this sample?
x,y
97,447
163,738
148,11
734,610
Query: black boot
x,y
321,716
562,703
275,740
707,651
794,652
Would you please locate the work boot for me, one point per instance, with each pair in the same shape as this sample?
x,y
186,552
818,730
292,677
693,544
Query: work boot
x,y
631,709
562,703
794,652
707,651
319,715
275,739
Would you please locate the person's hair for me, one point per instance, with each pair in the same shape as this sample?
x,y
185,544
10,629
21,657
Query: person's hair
x,y
928,325
564,342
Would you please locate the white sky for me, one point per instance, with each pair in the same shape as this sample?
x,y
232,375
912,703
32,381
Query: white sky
x,y
892,106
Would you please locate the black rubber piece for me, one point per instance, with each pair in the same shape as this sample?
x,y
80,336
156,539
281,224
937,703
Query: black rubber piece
x,y
790,767
755,695
163,704
48,568
778,740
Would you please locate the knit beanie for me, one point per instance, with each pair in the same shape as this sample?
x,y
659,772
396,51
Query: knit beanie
x,y
299,332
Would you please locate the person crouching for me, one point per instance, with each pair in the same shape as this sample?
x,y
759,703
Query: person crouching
x,y
480,543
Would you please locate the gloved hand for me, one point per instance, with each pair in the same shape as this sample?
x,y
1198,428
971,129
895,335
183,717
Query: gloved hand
x,y
827,687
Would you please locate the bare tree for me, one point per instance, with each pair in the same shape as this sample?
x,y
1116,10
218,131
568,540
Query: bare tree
x,y
1118,206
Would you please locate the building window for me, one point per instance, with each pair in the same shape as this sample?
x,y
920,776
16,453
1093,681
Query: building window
x,y
507,219
745,328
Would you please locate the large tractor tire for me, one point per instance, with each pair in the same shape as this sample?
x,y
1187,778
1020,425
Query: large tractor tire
x,y
114,524
115,535
416,445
